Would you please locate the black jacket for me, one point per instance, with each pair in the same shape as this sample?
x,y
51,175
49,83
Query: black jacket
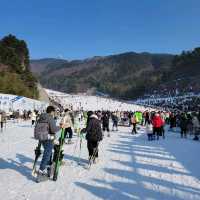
x,y
94,132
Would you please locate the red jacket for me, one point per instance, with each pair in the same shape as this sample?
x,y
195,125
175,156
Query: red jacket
x,y
157,122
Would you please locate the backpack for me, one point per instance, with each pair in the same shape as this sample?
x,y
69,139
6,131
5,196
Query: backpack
x,y
41,131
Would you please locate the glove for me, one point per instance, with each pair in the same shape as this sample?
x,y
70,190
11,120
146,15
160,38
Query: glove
x,y
55,142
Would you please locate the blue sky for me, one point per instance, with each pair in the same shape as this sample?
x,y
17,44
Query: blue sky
x,y
76,29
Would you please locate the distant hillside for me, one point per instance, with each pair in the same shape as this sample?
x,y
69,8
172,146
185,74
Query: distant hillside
x,y
121,76
15,76
182,78
39,66
127,76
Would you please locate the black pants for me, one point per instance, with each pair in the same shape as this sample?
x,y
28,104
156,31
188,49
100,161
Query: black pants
x,y
68,133
134,128
162,130
106,127
33,122
183,132
157,132
1,125
92,148
115,124
150,136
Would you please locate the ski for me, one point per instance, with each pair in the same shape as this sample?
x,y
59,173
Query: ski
x,y
37,155
58,155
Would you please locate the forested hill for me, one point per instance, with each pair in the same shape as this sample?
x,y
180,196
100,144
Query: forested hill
x,y
127,76
15,75
122,76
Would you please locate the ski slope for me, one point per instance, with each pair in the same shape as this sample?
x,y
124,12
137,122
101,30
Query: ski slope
x,y
89,102
130,167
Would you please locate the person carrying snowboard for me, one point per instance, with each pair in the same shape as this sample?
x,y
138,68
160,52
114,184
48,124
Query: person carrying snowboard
x,y
45,131
93,136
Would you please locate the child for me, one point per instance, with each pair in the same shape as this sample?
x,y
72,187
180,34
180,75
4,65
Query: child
x,y
149,130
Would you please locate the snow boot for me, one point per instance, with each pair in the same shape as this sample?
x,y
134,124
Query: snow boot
x,y
42,176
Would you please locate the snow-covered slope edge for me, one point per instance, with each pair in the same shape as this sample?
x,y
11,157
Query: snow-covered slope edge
x,y
14,102
87,102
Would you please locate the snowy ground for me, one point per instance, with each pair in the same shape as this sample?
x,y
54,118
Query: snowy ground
x,y
130,167
86,102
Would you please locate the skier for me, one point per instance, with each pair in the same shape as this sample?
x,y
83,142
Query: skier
x,y
93,136
67,124
45,130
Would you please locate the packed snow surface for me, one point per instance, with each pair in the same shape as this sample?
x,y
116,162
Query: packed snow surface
x,y
130,167
89,102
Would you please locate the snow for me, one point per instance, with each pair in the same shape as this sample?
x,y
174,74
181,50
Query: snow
x,y
130,167
20,103
87,102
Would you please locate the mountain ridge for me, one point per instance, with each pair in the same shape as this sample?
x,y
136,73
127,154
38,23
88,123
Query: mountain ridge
x,y
126,75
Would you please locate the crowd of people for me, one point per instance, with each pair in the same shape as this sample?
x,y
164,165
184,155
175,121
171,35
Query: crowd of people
x,y
96,126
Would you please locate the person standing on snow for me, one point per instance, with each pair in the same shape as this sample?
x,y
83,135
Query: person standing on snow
x,y
105,121
196,126
157,124
93,136
66,122
183,125
33,118
115,121
46,137
134,123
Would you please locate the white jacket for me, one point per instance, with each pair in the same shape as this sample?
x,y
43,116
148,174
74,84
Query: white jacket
x,y
66,121
149,128
33,116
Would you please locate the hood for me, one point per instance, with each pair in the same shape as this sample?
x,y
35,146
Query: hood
x,y
94,116
44,117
